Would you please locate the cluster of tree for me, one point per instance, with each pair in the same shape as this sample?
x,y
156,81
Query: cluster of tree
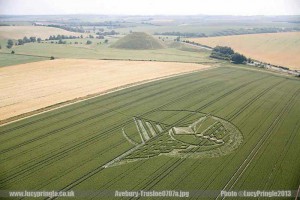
x,y
68,28
112,32
227,53
28,40
10,43
62,37
182,34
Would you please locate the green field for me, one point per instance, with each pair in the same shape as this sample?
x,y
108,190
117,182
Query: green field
x,y
12,59
176,53
67,148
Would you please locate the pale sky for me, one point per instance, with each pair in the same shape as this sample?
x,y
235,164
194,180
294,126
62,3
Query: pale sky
x,y
150,7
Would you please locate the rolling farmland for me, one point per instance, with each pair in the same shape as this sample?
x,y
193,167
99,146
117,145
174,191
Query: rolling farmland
x,y
17,32
28,87
275,48
166,134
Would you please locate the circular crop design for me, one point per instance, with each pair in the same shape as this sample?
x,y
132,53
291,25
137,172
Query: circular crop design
x,y
180,133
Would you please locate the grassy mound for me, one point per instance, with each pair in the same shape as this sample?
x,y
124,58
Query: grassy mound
x,y
138,41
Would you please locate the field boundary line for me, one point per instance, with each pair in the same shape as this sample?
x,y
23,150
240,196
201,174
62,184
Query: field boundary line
x,y
21,54
91,96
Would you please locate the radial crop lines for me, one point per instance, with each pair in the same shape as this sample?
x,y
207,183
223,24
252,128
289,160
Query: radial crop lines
x,y
222,96
296,130
183,97
236,98
230,184
232,116
224,164
269,132
152,182
162,177
62,154
81,179
256,97
282,153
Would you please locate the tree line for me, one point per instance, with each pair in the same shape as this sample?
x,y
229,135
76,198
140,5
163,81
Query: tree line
x,y
10,42
185,34
227,53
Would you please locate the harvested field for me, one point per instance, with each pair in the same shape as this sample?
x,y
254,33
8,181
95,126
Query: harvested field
x,y
28,87
17,32
275,48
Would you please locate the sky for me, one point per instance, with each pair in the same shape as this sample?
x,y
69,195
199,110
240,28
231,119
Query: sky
x,y
150,7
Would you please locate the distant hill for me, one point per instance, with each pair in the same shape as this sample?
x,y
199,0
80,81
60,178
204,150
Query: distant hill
x,y
138,41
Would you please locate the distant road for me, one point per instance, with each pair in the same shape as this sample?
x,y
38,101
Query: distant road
x,y
199,46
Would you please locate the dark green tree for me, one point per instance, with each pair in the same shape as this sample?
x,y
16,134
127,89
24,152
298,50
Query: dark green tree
x,y
10,44
39,40
238,58
224,50
20,42
26,40
32,39
89,42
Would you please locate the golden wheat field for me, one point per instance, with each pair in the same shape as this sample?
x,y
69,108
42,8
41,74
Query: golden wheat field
x,y
275,48
28,87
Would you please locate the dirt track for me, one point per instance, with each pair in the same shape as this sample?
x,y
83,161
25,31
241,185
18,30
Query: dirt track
x,y
28,87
